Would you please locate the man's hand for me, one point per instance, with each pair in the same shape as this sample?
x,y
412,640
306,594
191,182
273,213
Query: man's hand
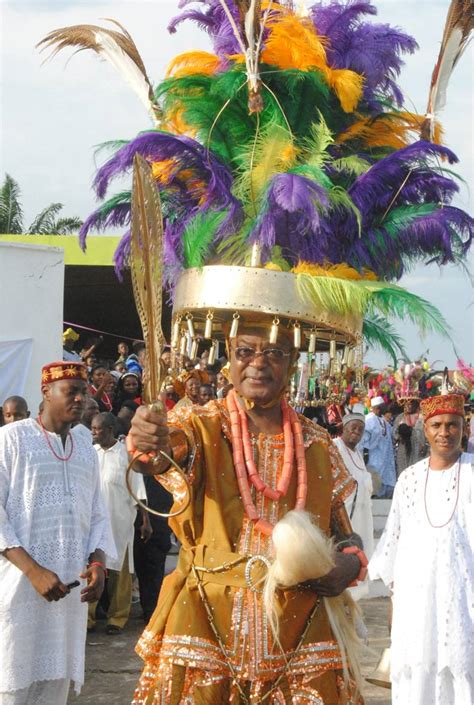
x,y
47,584
146,532
149,431
345,571
95,576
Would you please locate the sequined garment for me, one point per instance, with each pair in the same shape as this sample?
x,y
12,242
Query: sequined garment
x,y
184,664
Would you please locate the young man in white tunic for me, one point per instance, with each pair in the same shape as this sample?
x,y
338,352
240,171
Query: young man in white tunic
x,y
54,529
359,503
426,556
113,462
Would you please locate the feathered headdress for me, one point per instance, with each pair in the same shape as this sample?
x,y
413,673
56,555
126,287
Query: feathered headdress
x,y
289,147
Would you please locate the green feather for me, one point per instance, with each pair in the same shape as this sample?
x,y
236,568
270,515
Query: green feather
x,y
352,165
347,297
379,333
315,145
198,237
122,197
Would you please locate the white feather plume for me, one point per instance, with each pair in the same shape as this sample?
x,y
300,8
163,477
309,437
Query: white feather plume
x,y
456,35
117,47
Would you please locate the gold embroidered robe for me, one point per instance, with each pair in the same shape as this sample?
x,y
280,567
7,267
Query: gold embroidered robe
x,y
184,664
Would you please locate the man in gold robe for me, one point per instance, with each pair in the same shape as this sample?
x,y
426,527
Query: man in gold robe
x,y
209,642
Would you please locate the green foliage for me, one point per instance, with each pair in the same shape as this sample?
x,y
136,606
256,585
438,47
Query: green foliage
x,y
11,214
45,223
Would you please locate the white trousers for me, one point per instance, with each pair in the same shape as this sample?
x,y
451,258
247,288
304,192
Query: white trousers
x,y
38,693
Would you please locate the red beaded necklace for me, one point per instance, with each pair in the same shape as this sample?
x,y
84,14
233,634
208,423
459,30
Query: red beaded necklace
x,y
58,457
246,469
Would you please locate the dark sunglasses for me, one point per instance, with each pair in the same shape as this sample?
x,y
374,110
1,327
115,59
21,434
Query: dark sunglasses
x,y
244,354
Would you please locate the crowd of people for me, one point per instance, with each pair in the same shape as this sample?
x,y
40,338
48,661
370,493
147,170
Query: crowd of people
x,y
92,413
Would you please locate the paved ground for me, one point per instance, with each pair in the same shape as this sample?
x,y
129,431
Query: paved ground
x,y
112,668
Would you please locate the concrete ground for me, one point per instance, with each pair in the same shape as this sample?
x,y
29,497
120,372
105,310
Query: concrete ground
x,y
112,667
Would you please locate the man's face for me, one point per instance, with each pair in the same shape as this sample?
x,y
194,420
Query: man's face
x,y
352,432
192,389
189,365
123,349
65,399
412,406
91,409
126,415
166,358
221,380
14,411
68,344
444,433
101,433
205,394
259,378
91,360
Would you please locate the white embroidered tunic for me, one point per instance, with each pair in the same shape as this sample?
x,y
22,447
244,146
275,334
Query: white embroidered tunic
x,y
55,511
122,508
432,572
359,505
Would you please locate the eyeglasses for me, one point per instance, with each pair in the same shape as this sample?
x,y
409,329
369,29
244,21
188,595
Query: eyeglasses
x,y
244,354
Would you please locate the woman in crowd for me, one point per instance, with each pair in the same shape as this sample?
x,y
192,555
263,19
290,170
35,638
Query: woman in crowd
x,y
129,388
101,384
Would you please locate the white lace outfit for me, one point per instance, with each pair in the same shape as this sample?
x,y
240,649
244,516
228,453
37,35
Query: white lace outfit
x,y
55,511
122,509
359,506
432,573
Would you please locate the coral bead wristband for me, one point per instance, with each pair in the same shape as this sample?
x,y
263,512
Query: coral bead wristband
x,y
363,563
101,565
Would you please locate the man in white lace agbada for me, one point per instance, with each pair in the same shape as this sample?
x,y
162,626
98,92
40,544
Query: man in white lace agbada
x,y
426,555
54,529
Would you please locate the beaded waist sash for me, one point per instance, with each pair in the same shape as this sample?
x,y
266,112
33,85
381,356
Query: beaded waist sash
x,y
224,567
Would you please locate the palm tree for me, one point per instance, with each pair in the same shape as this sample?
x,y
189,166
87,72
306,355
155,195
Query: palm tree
x,y
45,223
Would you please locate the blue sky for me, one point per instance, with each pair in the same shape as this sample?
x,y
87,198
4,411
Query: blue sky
x,y
54,113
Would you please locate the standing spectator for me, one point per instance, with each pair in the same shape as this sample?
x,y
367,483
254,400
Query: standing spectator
x,y
150,556
408,435
425,555
192,382
15,409
358,504
125,415
69,338
91,409
206,393
113,462
122,349
91,362
129,388
171,398
53,523
100,381
377,441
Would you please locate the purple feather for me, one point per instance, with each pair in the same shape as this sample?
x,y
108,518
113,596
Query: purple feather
x,y
122,253
444,236
374,191
117,216
215,22
372,50
186,152
292,218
